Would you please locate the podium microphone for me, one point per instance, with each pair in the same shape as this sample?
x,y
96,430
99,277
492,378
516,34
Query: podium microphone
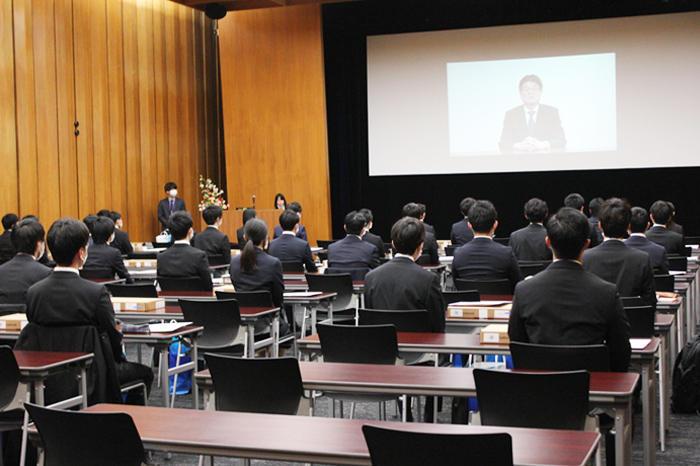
x,y
253,201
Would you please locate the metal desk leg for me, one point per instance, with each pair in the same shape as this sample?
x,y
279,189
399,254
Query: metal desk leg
x,y
663,392
250,340
83,386
39,392
623,434
25,427
314,318
163,358
435,398
649,412
276,336
404,405
195,387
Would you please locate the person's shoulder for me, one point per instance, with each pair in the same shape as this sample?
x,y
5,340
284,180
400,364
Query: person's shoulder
x,y
548,109
519,232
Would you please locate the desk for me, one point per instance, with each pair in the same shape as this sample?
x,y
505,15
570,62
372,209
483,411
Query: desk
x,y
107,281
311,304
318,440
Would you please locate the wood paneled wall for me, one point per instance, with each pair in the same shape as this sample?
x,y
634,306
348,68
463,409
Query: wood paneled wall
x,y
136,75
274,110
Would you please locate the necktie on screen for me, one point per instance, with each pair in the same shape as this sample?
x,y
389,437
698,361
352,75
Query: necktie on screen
x,y
530,119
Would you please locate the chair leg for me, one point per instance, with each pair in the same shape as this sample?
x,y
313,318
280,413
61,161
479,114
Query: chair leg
x,y
342,409
352,410
332,407
246,462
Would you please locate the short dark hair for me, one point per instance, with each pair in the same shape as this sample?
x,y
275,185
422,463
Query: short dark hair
x,y
594,206
368,214
568,231
575,201
639,220
102,229
536,210
482,216
295,206
25,234
531,78
89,221
212,213
355,222
179,224
289,219
412,210
615,214
407,234
9,220
248,214
66,237
169,185
114,215
104,213
661,212
466,204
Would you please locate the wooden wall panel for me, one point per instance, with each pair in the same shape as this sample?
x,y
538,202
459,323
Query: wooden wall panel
x,y
9,200
274,111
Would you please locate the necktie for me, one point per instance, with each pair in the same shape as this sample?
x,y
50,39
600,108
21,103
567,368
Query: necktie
x,y
530,119
172,205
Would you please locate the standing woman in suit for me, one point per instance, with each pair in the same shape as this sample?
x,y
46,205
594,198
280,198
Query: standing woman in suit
x,y
280,201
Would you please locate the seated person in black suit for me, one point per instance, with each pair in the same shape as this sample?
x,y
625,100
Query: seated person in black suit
x,y
301,229
576,201
23,270
661,213
289,248
594,206
528,243
254,269
7,251
482,258
247,215
351,254
461,231
424,213
564,304
371,237
211,240
430,246
104,261
44,260
64,299
630,269
181,260
639,222
672,225
169,205
121,239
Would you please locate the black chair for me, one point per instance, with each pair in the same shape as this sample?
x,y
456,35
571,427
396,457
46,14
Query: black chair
x,y
424,259
356,273
389,447
292,267
6,309
501,286
450,250
404,321
665,283
503,241
142,255
248,298
687,251
553,400
221,320
641,319
11,419
458,296
528,268
340,283
678,263
216,260
529,356
133,290
86,439
182,284
91,274
324,243
268,386
632,301
366,344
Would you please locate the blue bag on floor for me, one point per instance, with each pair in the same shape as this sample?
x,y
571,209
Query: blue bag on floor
x,y
184,379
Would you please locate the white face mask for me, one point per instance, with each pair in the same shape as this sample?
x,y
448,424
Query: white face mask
x,y
172,193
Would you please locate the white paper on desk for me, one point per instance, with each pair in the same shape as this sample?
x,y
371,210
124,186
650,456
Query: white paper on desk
x,y
693,258
167,327
479,303
676,272
302,294
639,343
666,300
143,272
316,249
692,246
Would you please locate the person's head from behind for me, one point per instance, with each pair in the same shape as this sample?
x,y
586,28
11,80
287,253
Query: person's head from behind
x,y
660,213
68,239
180,225
289,220
413,210
355,223
575,201
255,231
594,206
614,217
673,210
536,210
530,88
483,218
423,210
248,214
28,237
407,236
170,189
639,220
103,213
89,221
295,207
102,230
117,219
213,215
369,216
9,221
568,233
280,201
466,204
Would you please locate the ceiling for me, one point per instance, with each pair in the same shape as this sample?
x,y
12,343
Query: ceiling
x,y
253,4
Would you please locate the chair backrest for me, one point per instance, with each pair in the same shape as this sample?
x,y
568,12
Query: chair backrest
x,y
141,255
216,259
641,319
404,321
632,301
389,447
424,259
324,243
340,283
356,273
291,267
221,320
664,283
500,286
133,290
528,268
529,356
85,439
6,309
268,386
450,250
462,295
551,400
366,344
90,274
10,376
261,298
678,263
182,284
687,251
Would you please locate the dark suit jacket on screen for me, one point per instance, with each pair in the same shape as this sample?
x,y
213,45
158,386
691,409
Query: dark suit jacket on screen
x,y
528,243
289,248
672,241
214,243
164,210
122,242
105,262
657,253
352,253
484,259
461,233
17,275
7,249
547,127
267,276
184,261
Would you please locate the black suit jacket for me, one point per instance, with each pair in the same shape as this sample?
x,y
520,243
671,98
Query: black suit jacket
x,y
596,232
485,259
164,210
105,262
301,232
17,275
7,249
676,227
528,243
565,305
352,253
267,275
240,237
214,242
461,233
289,248
376,240
670,240
547,127
429,229
400,284
122,242
184,261
657,253
630,269
430,247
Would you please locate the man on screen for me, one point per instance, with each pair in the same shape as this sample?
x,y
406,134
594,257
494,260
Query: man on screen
x,y
532,127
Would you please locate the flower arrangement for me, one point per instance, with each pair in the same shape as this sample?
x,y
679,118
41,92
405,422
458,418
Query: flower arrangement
x,y
211,194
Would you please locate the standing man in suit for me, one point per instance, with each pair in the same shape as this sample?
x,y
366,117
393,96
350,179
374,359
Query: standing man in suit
x,y
289,248
370,237
430,246
169,205
529,243
659,233
639,222
23,270
211,240
301,229
630,269
104,261
247,215
7,250
181,260
576,201
532,127
566,305
672,225
482,258
351,253
121,239
461,232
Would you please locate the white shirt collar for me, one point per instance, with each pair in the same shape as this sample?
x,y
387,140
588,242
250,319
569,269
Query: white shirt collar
x,y
484,237
289,233
605,238
182,241
568,260
658,225
356,236
638,234
58,268
398,254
